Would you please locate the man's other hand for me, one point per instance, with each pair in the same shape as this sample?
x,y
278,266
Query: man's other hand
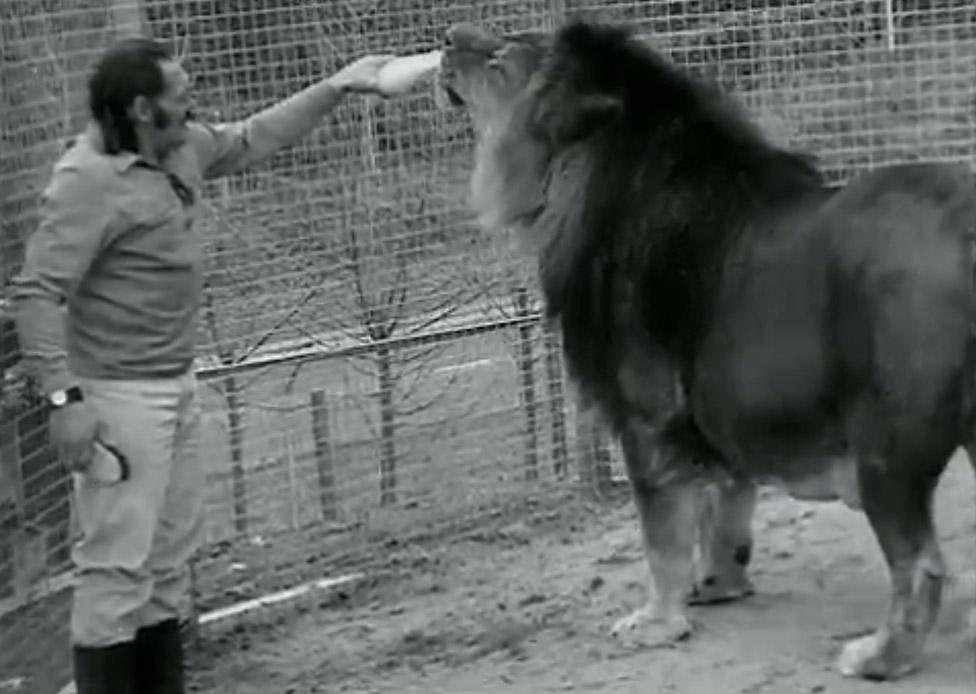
x,y
73,428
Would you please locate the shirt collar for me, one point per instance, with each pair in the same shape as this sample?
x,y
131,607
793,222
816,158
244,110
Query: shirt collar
x,y
122,161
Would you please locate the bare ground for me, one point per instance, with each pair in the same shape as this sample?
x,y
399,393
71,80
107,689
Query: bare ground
x,y
524,605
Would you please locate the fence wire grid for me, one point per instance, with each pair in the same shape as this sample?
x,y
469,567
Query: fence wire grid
x,y
372,367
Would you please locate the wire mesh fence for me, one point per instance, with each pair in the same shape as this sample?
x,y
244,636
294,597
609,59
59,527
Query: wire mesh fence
x,y
372,366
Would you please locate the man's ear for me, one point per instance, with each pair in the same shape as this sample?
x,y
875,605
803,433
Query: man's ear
x,y
581,117
141,111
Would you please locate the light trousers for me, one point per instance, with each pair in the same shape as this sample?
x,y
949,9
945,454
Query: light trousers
x,y
135,537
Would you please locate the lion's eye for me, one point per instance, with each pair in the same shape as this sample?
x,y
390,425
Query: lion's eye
x,y
496,64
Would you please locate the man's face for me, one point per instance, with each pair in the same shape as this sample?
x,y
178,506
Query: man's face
x,y
170,110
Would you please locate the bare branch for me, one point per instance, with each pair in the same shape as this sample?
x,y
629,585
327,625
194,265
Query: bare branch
x,y
257,344
407,391
368,370
464,413
421,356
420,407
445,309
224,353
261,373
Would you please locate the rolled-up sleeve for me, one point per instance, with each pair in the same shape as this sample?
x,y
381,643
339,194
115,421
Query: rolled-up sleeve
x,y
76,218
223,149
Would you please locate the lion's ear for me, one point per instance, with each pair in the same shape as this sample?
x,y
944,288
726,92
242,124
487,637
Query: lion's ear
x,y
582,117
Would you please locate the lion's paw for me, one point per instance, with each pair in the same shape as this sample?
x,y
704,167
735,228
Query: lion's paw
x,y
647,627
875,657
715,591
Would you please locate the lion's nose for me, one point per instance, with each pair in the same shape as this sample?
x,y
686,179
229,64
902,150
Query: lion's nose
x,y
452,33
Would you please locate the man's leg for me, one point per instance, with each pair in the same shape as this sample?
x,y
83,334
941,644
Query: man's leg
x,y
116,524
159,648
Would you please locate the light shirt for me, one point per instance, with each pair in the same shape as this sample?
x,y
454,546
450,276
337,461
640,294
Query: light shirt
x,y
116,246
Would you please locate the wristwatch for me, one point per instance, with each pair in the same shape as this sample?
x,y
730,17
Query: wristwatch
x,y
60,398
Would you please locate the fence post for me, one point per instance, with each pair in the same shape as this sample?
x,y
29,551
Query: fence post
x,y
322,438
557,401
11,474
593,453
388,456
190,626
527,394
294,500
235,436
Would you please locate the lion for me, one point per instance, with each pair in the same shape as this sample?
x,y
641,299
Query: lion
x,y
822,336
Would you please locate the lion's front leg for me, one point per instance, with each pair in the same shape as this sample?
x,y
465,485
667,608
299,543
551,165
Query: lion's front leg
x,y
725,542
667,493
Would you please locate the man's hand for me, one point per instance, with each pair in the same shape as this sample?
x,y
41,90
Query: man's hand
x,y
73,429
361,75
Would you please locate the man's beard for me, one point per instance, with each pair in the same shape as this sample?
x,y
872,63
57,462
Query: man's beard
x,y
161,119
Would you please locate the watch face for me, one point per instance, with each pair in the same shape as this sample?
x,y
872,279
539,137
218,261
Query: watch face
x,y
59,398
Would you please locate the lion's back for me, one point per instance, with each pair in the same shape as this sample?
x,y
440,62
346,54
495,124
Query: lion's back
x,y
902,280
900,222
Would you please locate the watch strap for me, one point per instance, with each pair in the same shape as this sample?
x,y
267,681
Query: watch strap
x,y
65,396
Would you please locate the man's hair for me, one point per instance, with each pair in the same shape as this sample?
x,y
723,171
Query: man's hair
x,y
128,69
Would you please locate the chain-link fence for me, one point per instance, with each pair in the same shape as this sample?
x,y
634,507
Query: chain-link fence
x,y
373,367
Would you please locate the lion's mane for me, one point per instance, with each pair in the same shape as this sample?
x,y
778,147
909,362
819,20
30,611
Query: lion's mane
x,y
636,220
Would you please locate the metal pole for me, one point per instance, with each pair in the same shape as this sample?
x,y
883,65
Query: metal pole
x,y
890,23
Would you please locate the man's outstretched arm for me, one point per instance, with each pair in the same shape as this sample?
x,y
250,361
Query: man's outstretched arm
x,y
226,148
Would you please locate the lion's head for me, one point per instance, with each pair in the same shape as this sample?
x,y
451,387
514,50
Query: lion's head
x,y
590,140
488,75
528,105
486,72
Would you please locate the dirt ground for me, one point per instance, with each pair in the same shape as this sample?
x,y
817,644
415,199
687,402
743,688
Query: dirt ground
x,y
524,605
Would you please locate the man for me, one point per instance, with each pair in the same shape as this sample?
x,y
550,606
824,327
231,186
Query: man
x,y
105,309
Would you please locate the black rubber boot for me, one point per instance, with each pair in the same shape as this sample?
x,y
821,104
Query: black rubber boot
x,y
158,659
105,670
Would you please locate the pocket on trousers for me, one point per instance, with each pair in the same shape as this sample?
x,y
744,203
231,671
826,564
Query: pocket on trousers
x,y
96,488
93,502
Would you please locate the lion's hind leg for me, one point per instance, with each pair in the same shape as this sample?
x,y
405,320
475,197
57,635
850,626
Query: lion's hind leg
x,y
897,491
